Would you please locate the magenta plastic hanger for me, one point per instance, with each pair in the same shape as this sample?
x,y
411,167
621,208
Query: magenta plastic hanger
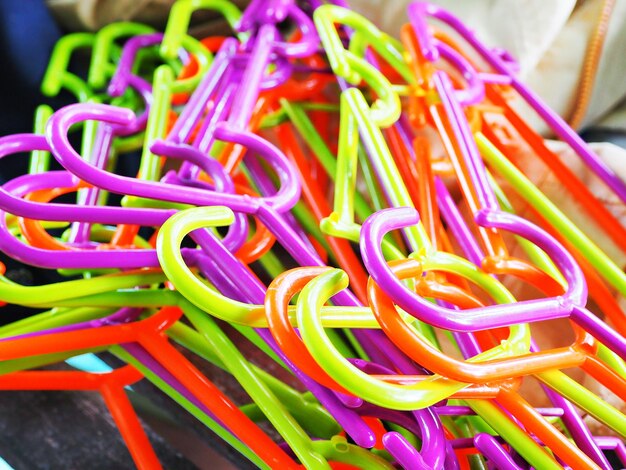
x,y
493,316
222,65
123,76
11,202
122,79
19,143
272,12
423,423
464,237
575,297
222,183
57,136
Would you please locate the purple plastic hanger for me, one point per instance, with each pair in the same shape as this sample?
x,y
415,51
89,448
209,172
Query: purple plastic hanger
x,y
100,152
11,202
272,12
222,182
123,76
492,316
424,423
490,215
57,136
21,143
468,244
222,83
497,457
121,80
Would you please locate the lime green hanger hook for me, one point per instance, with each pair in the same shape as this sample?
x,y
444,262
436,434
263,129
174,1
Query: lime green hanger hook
x,y
100,66
365,34
191,287
204,296
180,15
57,76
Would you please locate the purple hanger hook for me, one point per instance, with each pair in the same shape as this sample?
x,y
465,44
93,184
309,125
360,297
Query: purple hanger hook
x,y
492,316
57,136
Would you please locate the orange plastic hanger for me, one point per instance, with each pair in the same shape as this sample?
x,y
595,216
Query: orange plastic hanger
x,y
148,333
111,386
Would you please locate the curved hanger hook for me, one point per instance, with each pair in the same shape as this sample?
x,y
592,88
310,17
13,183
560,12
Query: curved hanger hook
x,y
120,79
196,291
57,135
12,202
260,12
238,230
57,76
277,298
576,292
475,91
389,395
180,15
104,40
18,143
506,313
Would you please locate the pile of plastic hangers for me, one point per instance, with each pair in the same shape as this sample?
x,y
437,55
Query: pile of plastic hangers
x,y
302,181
